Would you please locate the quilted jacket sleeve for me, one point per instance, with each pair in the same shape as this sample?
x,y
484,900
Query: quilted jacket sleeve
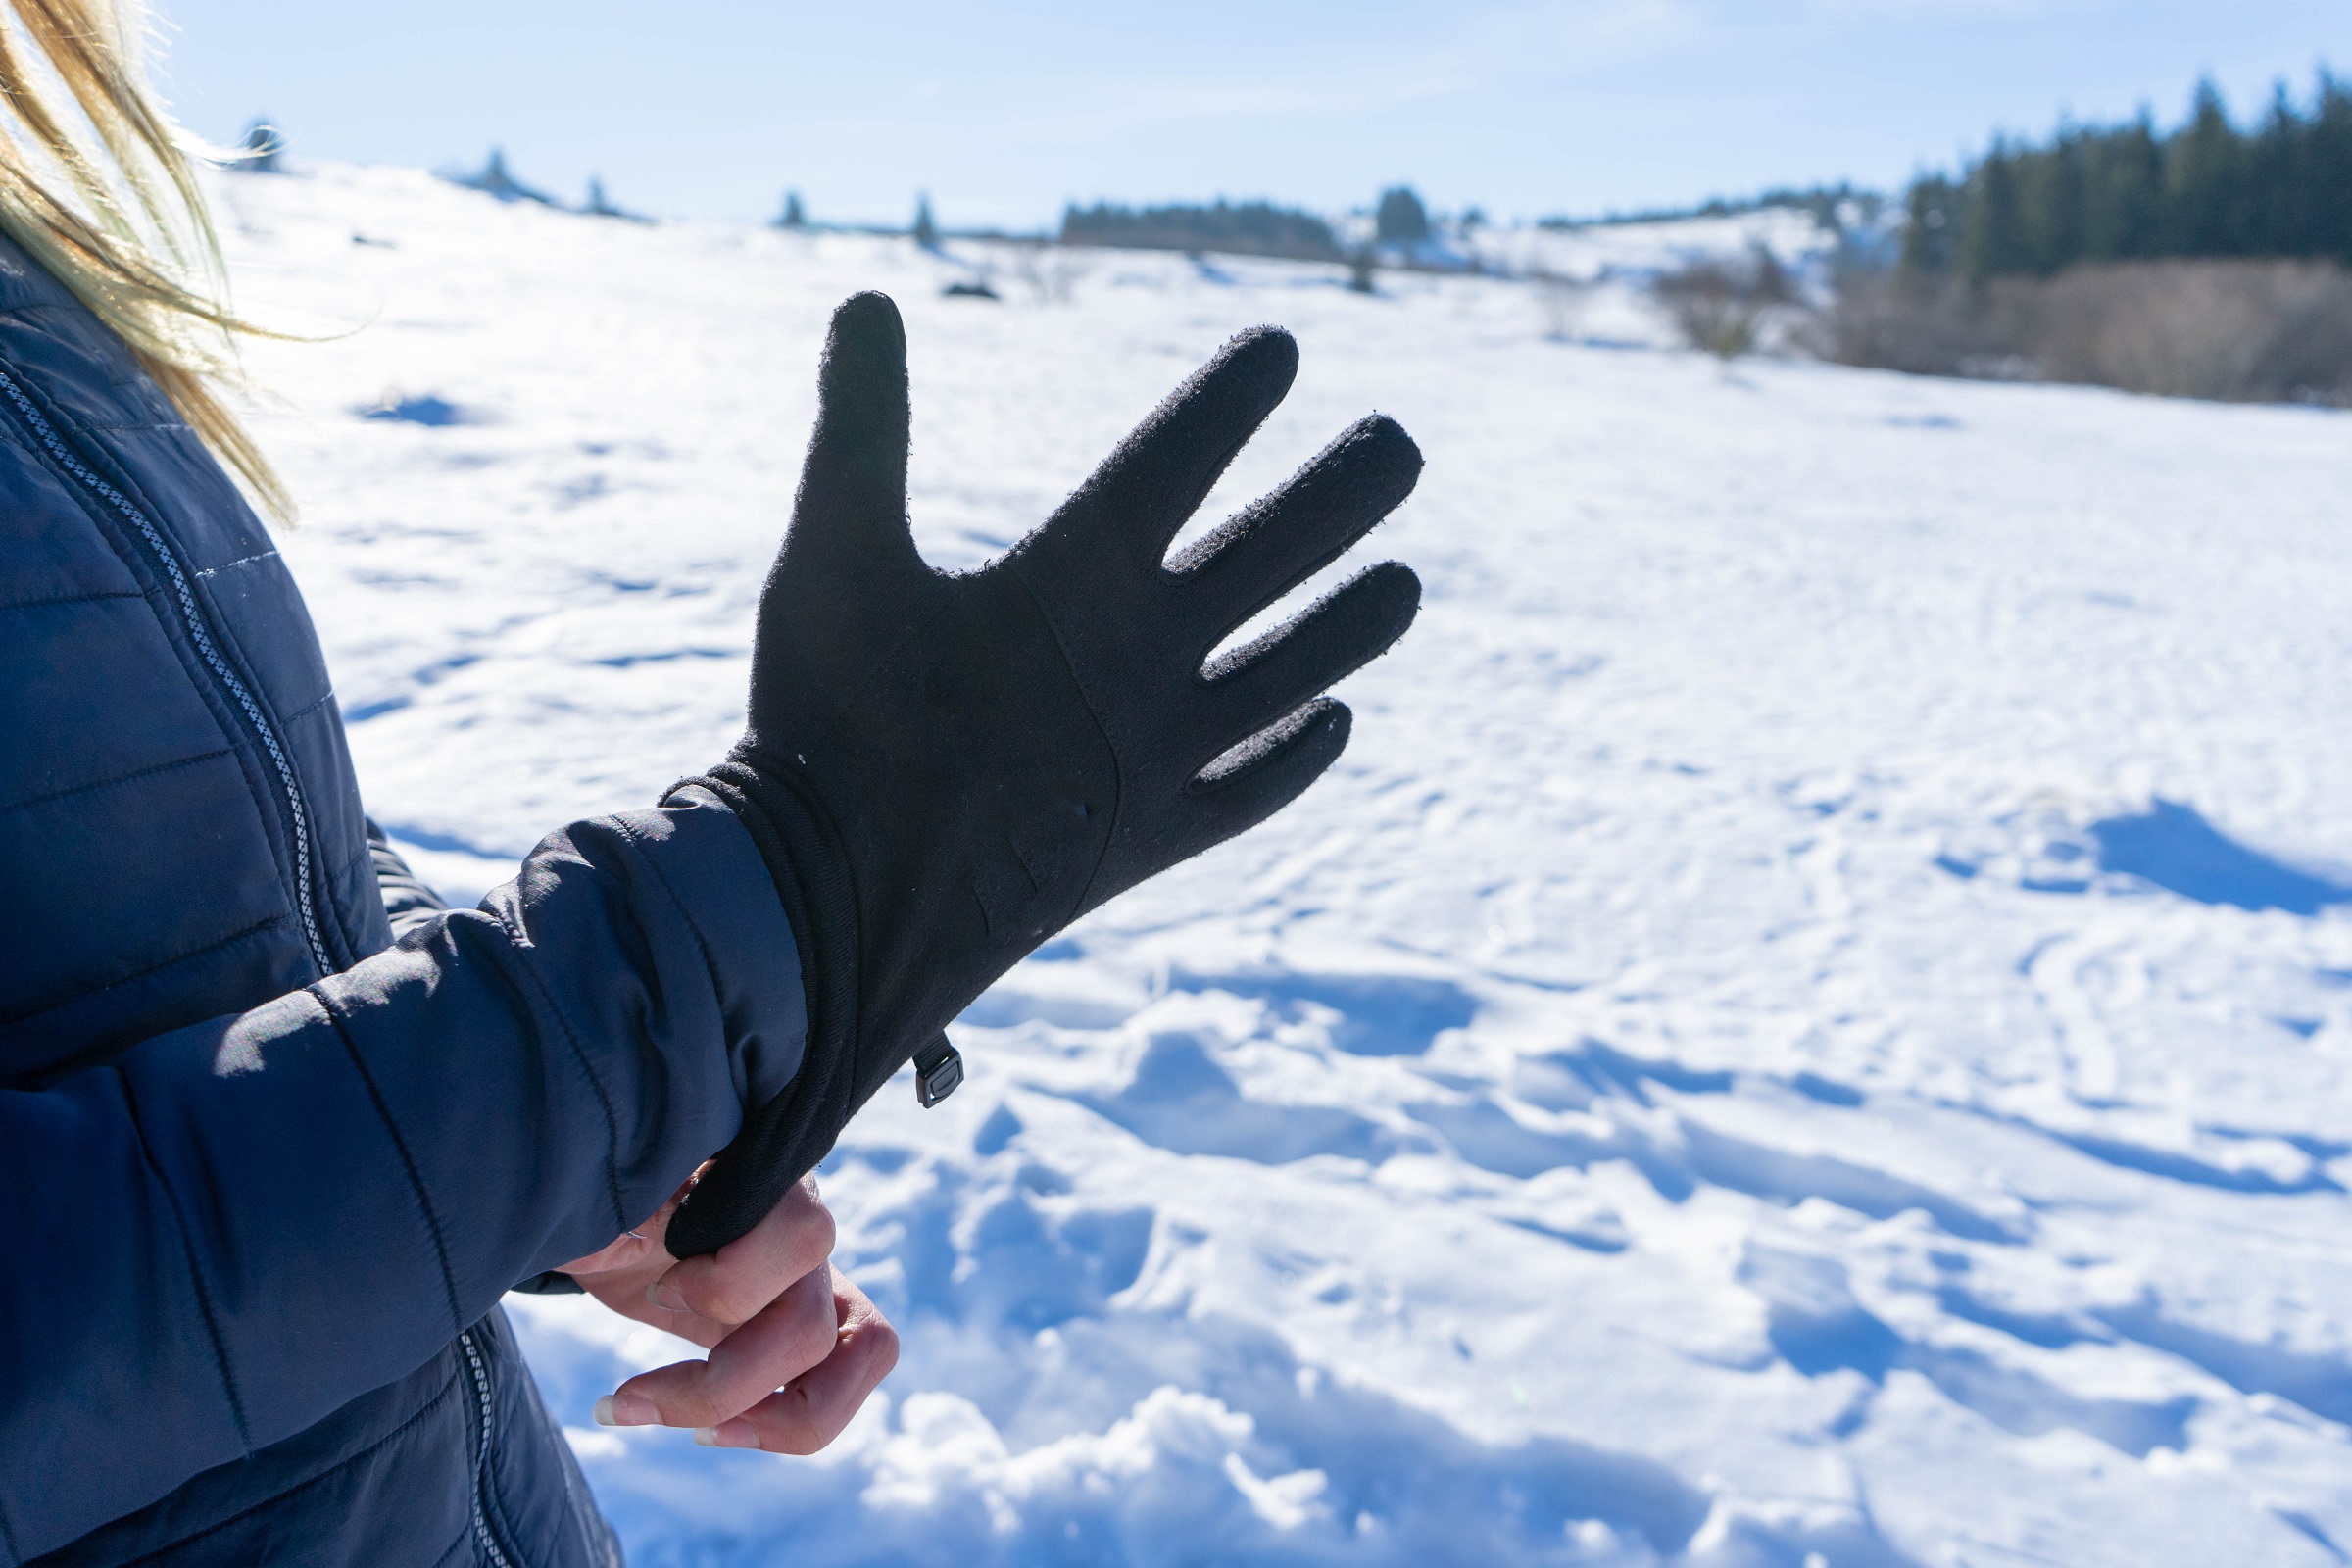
x,y
409,901
238,1226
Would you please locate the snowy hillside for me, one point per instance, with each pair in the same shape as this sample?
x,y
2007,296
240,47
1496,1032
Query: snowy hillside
x,y
1596,249
1810,1026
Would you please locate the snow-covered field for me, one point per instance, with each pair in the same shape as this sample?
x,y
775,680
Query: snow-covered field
x,y
1810,1026
1596,249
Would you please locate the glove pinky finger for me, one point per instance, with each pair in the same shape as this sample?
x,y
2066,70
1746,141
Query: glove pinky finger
x,y
1251,781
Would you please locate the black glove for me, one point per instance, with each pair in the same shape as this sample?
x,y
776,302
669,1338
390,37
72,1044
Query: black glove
x,y
944,770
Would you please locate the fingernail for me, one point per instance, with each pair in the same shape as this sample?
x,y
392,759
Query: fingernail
x,y
718,1437
626,1410
666,1294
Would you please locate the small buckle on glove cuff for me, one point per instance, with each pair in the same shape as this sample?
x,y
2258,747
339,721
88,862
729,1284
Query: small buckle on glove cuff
x,y
938,1070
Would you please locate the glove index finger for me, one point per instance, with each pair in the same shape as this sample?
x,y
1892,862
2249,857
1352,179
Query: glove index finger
x,y
1156,479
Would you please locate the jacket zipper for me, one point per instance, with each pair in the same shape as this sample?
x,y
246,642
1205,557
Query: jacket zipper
x,y
305,901
482,1532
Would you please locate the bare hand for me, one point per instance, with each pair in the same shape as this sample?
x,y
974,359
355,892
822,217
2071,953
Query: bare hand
x,y
795,1347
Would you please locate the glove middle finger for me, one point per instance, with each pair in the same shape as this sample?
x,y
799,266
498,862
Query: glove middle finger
x,y
1270,547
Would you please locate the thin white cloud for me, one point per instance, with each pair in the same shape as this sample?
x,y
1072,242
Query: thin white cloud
x,y
1548,39
1839,10
1576,36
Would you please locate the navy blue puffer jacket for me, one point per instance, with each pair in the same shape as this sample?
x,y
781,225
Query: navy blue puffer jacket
x,y
266,1172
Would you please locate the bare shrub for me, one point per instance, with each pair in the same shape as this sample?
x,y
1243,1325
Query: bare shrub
x,y
1050,272
2239,330
1890,321
1723,306
1563,299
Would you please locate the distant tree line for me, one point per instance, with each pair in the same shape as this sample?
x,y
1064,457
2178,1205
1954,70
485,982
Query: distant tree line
x,y
1246,228
2124,193
1828,204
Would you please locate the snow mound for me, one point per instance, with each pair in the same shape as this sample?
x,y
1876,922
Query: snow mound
x,y
1810,1025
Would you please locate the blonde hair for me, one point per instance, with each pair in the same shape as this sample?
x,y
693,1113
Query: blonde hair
x,y
96,186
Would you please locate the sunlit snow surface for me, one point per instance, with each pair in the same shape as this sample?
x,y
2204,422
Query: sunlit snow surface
x,y
1810,1025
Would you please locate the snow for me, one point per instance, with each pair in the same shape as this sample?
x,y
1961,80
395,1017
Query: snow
x,y
1809,1027
1639,249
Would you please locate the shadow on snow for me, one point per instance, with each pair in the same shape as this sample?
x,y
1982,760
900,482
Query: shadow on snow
x,y
2174,846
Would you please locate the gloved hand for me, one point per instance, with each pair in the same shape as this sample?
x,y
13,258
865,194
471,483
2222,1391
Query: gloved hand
x,y
944,770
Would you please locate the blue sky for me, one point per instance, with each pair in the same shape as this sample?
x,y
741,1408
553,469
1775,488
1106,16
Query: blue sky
x,y
711,108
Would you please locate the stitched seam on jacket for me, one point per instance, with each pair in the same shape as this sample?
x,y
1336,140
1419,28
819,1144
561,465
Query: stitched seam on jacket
x,y
309,707
700,941
247,689
710,963
125,498
343,873
187,1247
160,767
276,1497
148,772
571,1040
120,779
464,1540
425,1202
153,969
72,599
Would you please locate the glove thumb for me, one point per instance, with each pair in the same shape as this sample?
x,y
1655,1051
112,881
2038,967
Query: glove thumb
x,y
851,507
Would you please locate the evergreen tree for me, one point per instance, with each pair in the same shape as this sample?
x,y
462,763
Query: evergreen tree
x,y
2328,136
1245,228
2122,203
2052,189
925,232
496,180
1400,219
2127,193
1934,207
792,216
2205,180
599,204
2276,211
1992,237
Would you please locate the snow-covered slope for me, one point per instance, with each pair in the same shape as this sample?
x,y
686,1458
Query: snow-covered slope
x,y
1810,1026
1794,239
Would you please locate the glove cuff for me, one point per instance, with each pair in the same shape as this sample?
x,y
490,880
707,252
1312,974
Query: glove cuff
x,y
783,1139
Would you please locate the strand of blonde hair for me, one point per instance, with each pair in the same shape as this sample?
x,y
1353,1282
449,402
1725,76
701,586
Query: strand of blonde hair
x,y
98,189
